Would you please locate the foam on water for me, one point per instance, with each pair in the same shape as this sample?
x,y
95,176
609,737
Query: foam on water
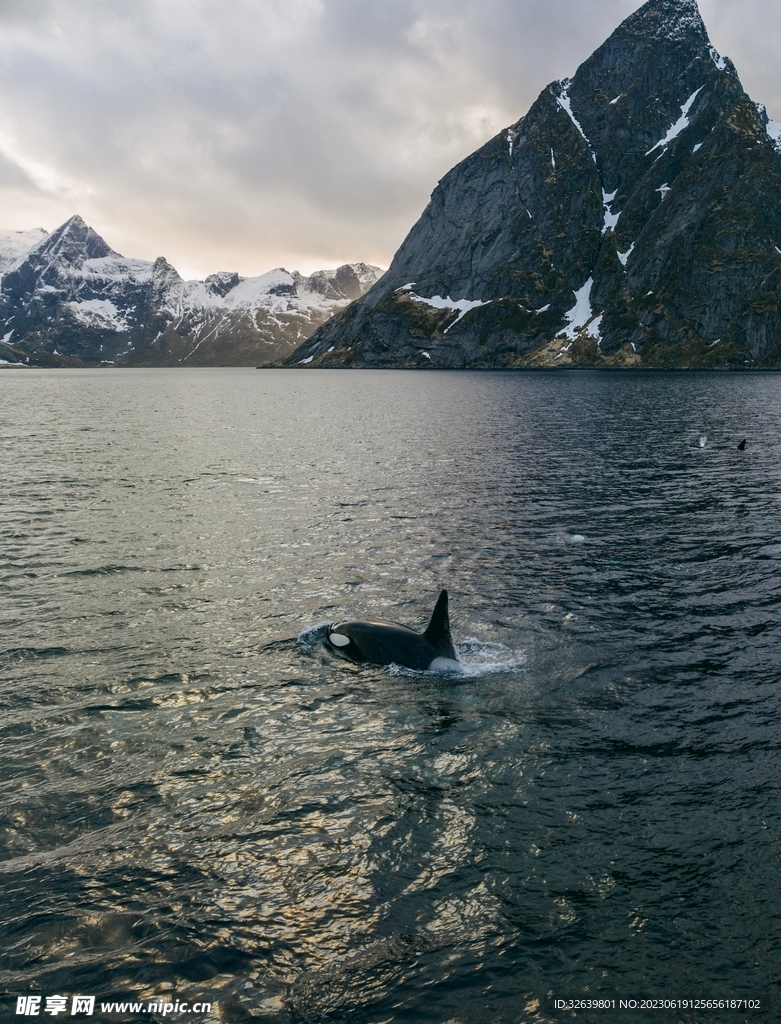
x,y
309,639
475,658
480,658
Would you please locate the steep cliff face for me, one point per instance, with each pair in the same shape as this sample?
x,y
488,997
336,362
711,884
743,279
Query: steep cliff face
x,y
68,299
631,218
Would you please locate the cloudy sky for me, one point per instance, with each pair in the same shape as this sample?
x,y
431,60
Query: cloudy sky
x,y
249,134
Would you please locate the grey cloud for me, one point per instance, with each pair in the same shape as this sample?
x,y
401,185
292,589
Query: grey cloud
x,y
25,10
302,132
13,177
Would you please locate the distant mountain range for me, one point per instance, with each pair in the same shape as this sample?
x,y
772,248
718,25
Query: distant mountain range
x,y
67,299
631,218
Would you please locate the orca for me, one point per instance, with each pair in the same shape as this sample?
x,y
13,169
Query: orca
x,y
377,642
742,445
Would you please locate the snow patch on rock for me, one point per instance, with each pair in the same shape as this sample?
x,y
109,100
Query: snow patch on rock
x,y
718,60
15,245
117,269
611,219
773,129
437,302
593,328
581,312
99,313
680,125
563,100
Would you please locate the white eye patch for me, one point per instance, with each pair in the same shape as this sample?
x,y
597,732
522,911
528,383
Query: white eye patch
x,y
339,639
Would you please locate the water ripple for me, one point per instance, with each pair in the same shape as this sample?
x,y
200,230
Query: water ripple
x,y
198,798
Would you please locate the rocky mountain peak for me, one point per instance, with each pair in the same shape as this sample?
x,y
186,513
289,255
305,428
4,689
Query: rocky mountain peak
x,y
68,298
75,242
346,282
163,272
668,19
653,45
646,71
632,213
55,257
222,282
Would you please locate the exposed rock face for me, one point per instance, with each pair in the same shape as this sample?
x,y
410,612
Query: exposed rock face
x,y
68,299
631,218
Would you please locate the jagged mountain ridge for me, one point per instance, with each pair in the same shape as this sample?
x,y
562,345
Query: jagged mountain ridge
x,y
632,217
67,298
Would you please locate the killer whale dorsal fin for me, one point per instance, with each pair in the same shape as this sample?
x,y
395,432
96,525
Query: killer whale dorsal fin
x,y
438,631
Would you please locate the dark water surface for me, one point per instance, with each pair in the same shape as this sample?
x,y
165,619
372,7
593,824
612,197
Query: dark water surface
x,y
199,802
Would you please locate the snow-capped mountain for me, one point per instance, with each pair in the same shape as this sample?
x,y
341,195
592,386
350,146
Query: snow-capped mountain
x,y
16,244
631,218
68,298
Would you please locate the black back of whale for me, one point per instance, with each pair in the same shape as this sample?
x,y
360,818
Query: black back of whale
x,y
385,643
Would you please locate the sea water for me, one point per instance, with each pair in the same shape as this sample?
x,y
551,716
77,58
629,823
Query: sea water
x,y
201,804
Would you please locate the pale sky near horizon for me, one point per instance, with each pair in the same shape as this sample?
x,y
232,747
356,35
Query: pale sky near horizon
x,y
301,133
